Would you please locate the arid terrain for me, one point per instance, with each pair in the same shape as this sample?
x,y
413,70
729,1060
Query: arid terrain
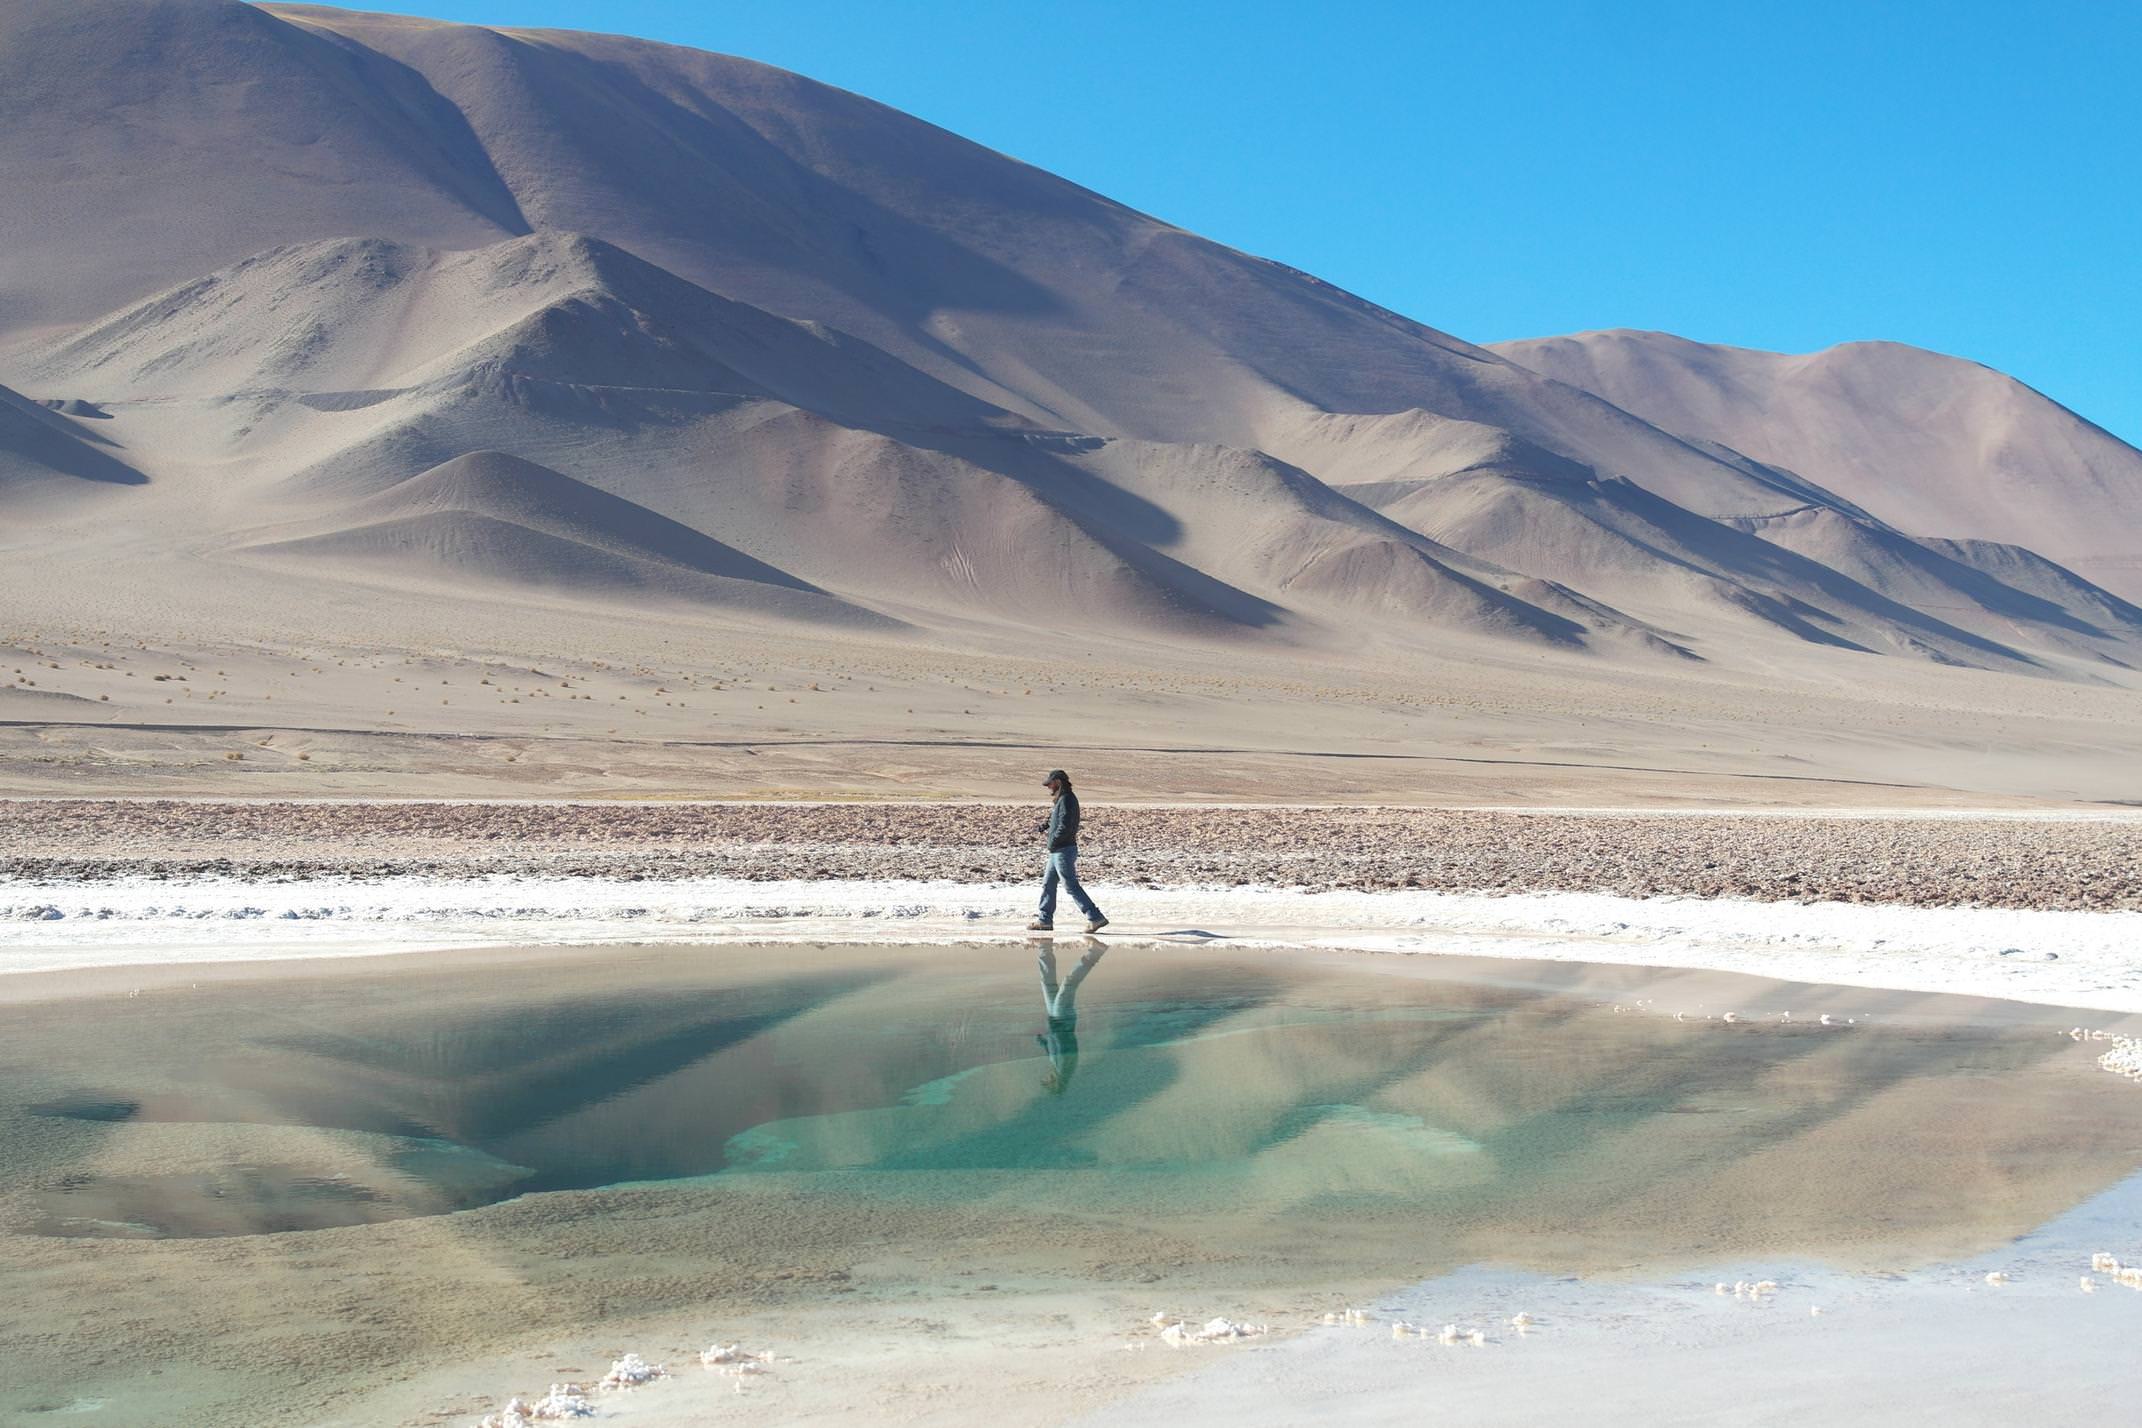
x,y
442,703
501,412
2080,863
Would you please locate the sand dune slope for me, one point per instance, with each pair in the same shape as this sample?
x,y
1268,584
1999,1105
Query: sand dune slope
x,y
933,528
44,452
1934,445
1273,527
491,518
1856,586
361,317
845,509
2026,570
1973,593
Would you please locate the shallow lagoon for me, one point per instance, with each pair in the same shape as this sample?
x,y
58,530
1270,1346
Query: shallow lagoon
x,y
430,1159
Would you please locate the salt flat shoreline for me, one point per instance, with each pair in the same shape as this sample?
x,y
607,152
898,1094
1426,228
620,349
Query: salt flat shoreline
x,y
2061,860
2065,958
2038,910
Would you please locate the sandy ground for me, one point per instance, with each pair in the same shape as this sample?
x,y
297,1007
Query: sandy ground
x,y
2038,907
453,704
2083,863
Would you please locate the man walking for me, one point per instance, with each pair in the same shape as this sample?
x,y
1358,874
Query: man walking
x,y
1062,829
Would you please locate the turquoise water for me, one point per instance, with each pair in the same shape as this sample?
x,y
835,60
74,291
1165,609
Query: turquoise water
x,y
1258,1084
897,1061
239,1199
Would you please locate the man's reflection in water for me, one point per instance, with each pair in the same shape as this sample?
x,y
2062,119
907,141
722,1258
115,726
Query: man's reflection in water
x,y
1060,1005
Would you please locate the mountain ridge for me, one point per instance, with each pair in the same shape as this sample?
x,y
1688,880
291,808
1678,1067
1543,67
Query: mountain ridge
x,y
899,383
1940,446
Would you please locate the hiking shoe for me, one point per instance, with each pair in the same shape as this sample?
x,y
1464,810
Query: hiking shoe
x,y
1037,925
1096,923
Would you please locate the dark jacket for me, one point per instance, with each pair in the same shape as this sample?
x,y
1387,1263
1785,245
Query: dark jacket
x,y
1062,826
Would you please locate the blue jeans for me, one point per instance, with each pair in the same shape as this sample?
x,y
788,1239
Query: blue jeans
x,y
1063,867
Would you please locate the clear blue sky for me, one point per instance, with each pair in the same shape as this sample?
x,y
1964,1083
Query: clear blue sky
x,y
1966,176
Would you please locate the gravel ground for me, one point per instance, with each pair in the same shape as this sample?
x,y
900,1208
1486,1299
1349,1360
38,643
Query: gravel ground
x,y
1997,862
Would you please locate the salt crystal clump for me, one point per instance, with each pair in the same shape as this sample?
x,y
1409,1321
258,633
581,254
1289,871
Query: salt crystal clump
x,y
2125,1058
1212,1331
565,1400
735,1359
631,1371
1216,1330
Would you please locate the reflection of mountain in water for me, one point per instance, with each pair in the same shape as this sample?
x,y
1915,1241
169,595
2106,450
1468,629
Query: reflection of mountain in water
x,y
459,1107
504,1084
1507,1125
462,1104
1221,1097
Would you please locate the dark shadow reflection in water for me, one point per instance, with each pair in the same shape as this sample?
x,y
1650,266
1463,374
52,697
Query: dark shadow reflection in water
x,y
1059,1006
